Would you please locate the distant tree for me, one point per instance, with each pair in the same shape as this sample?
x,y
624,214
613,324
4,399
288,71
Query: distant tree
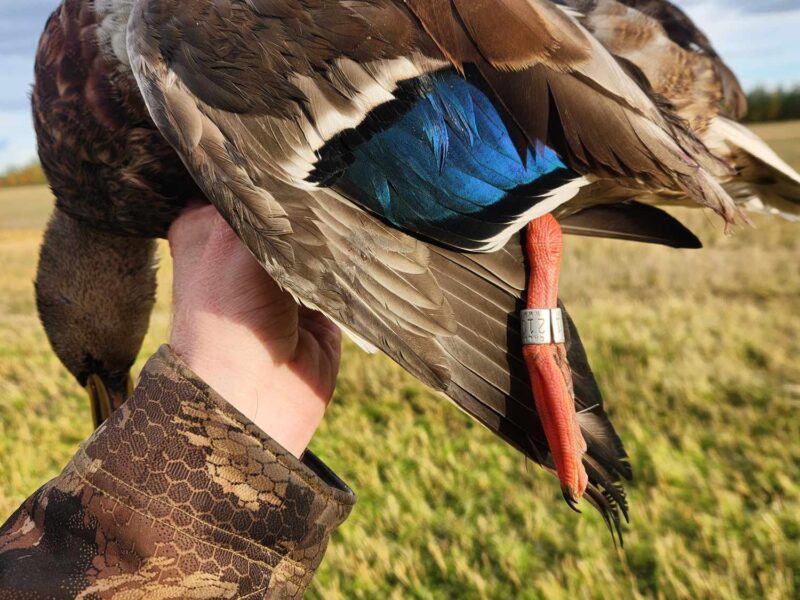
x,y
779,104
28,175
790,104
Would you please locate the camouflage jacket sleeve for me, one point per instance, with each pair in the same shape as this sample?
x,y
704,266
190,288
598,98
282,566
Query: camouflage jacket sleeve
x,y
178,495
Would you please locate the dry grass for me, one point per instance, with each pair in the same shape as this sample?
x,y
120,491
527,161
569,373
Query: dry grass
x,y
24,207
783,137
697,353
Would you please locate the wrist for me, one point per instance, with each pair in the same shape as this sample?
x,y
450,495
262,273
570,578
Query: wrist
x,y
239,366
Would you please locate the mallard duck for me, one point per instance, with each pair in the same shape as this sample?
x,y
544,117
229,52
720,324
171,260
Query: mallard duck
x,y
407,167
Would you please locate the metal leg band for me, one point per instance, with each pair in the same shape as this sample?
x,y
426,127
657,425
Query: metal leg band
x,y
542,326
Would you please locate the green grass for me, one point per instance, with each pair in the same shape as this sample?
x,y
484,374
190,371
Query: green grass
x,y
696,351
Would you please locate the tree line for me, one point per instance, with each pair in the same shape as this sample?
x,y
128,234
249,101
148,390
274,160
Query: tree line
x,y
30,174
779,104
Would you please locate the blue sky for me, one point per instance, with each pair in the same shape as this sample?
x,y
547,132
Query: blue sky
x,y
758,38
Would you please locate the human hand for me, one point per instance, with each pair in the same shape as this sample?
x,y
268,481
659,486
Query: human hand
x,y
273,360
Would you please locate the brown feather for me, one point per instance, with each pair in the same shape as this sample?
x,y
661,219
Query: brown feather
x,y
630,221
583,104
676,58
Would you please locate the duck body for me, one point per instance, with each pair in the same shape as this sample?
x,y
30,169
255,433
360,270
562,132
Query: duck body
x,y
118,185
107,164
381,159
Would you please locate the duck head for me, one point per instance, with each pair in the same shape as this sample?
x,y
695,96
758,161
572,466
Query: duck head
x,y
95,292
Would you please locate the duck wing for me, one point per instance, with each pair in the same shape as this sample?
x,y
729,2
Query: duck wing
x,y
273,107
298,81
561,87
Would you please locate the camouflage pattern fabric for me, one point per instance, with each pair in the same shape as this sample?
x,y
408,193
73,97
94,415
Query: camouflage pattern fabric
x,y
178,495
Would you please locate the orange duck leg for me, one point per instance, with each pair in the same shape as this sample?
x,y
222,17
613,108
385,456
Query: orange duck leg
x,y
546,357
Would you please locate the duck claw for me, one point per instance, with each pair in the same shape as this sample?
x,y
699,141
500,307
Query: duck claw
x,y
571,502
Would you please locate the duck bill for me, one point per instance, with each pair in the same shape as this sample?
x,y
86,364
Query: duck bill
x,y
105,398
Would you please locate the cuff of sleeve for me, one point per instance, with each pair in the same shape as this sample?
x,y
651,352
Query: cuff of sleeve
x,y
179,457
315,473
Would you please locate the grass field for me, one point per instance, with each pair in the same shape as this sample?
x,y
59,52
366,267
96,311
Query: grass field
x,y
697,354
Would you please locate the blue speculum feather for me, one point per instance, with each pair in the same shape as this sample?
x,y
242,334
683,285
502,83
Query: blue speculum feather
x,y
448,169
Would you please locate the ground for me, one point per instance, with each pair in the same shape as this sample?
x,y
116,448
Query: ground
x,y
696,352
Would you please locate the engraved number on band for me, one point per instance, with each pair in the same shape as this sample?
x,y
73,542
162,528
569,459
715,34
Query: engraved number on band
x,y
542,326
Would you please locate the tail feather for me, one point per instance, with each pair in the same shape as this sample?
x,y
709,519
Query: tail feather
x,y
764,182
630,221
595,424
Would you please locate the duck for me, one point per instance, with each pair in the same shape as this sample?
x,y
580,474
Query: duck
x,y
406,167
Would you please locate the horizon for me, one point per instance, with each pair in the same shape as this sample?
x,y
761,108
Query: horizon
x,y
741,31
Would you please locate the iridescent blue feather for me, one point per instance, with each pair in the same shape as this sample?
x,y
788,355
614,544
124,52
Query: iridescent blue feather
x,y
448,170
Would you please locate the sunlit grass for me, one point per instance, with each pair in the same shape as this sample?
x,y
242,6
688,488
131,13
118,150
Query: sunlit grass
x,y
697,353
